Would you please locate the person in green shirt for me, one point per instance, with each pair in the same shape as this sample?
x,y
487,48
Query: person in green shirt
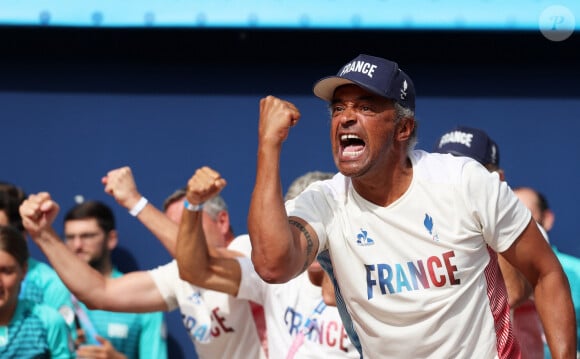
x,y
27,329
90,233
41,284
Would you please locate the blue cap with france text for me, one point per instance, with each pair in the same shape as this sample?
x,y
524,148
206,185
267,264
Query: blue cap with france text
x,y
469,142
375,74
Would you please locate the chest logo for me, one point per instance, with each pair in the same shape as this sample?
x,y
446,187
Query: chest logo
x,y
428,223
362,239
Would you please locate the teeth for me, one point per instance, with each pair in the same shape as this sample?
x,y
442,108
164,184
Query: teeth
x,y
352,153
349,137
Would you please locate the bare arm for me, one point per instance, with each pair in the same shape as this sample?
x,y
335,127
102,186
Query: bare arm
x,y
532,255
328,290
120,184
161,226
196,265
281,249
133,292
518,287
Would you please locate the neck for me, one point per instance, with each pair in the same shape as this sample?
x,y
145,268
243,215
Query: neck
x,y
316,277
387,186
104,266
229,238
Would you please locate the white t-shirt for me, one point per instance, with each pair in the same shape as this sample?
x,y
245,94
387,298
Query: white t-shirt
x,y
287,308
417,277
219,325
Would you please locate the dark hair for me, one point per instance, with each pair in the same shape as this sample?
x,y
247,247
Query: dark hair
x,y
93,209
11,197
13,242
542,202
179,194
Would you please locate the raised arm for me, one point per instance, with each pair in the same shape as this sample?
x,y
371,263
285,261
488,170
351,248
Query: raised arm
x,y
281,247
196,265
133,292
532,255
120,184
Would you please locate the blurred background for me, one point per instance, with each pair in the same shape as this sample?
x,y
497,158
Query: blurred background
x,y
168,86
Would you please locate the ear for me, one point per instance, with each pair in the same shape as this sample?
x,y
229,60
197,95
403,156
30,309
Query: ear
x,y
501,174
548,219
406,129
112,240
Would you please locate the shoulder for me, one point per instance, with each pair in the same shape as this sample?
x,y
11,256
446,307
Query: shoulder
x,y
46,313
40,269
241,244
442,167
169,268
333,188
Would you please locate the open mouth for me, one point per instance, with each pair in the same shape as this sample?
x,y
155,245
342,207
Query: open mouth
x,y
351,145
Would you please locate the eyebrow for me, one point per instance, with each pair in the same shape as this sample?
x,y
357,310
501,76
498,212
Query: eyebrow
x,y
359,98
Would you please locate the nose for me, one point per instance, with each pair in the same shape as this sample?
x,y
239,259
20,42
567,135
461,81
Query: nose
x,y
75,242
348,116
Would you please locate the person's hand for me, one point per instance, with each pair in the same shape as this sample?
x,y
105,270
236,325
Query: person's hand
x,y
103,351
203,185
81,337
276,118
38,212
120,184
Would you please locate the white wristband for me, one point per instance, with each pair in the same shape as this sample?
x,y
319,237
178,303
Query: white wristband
x,y
138,207
192,207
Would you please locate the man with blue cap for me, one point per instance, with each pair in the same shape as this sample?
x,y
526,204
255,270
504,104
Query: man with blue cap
x,y
471,142
406,233
476,144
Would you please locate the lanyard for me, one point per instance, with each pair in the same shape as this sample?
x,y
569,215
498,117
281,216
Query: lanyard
x,y
308,325
86,324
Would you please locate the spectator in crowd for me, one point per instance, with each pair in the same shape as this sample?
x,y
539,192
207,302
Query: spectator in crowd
x,y
27,329
219,326
41,284
299,322
121,184
476,144
543,214
90,233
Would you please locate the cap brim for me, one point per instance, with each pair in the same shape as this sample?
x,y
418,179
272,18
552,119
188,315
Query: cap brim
x,y
325,87
460,154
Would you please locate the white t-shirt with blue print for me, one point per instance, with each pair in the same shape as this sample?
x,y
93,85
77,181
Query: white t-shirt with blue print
x,y
419,278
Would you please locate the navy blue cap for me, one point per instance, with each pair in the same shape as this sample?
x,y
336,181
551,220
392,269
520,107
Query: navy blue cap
x,y
469,142
375,74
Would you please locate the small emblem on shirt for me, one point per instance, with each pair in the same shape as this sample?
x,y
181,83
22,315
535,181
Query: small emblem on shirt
x,y
67,313
195,297
363,239
117,330
428,223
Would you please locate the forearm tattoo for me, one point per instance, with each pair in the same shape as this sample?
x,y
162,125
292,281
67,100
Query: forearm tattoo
x,y
309,241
